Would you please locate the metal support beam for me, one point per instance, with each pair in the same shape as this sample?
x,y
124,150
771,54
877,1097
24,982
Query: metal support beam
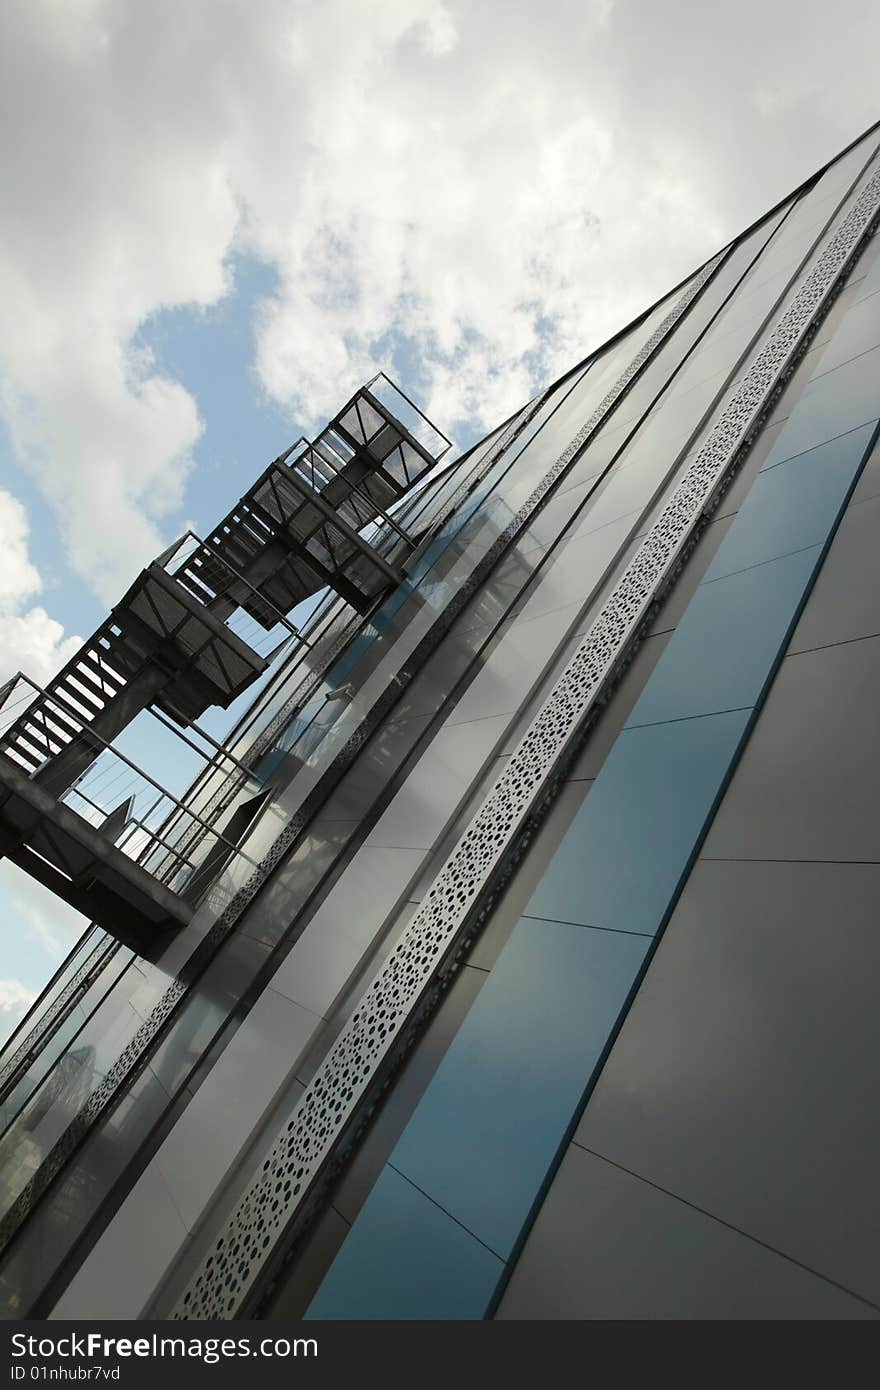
x,y
315,500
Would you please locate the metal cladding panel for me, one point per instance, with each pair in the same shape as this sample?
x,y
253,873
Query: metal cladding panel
x,y
447,1275
835,403
757,608
845,604
515,1073
610,1245
744,1080
804,806
632,842
796,504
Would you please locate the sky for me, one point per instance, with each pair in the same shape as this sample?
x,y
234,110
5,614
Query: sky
x,y
219,218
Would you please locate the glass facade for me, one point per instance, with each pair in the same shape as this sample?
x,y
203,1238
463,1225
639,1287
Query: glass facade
x,y
392,772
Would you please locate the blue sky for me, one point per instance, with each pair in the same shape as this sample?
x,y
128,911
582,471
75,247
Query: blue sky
x,y
211,353
219,220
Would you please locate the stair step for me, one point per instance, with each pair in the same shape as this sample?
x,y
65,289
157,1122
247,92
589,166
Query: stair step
x,y
40,727
57,717
103,690
96,665
208,574
25,740
23,756
76,688
193,580
58,695
55,733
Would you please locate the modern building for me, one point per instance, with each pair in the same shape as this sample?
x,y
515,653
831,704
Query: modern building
x,y
515,955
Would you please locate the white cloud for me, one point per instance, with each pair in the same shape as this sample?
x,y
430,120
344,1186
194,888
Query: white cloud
x,y
40,930
115,208
15,1000
18,577
46,918
30,640
14,996
488,189
34,643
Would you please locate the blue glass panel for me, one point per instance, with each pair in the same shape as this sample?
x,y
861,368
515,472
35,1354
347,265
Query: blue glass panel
x,y
831,405
489,1127
404,1258
627,849
793,505
726,646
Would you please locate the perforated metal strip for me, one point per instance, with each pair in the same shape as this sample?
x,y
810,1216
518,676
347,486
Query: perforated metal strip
x,y
307,1138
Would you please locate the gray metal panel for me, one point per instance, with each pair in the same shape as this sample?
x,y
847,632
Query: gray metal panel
x,y
808,783
869,483
444,774
343,933
148,1224
608,1245
745,1078
199,1154
845,602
